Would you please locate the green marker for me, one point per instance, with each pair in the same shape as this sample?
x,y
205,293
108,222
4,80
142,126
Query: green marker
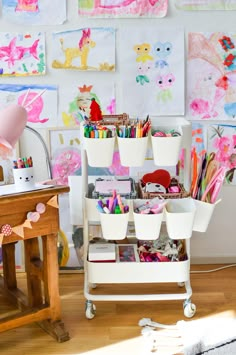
x,y
117,210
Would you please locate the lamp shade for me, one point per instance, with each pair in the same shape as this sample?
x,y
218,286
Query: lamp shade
x,y
13,120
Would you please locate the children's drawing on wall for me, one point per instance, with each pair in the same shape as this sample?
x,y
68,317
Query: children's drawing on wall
x,y
212,76
83,49
40,101
199,138
65,153
22,54
123,8
153,70
65,150
70,240
222,145
206,4
198,148
76,102
34,12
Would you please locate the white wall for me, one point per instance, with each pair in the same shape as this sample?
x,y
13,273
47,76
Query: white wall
x,y
219,243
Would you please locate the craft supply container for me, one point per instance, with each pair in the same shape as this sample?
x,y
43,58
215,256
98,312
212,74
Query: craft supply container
x,y
132,151
147,226
99,151
166,150
114,226
204,212
24,177
179,214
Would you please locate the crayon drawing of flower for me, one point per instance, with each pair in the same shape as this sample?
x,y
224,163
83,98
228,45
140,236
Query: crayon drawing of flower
x,y
225,150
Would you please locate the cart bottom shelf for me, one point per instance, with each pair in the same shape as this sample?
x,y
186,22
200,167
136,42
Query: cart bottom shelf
x,y
137,272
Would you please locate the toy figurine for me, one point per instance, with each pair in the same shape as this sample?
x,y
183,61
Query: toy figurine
x,y
95,111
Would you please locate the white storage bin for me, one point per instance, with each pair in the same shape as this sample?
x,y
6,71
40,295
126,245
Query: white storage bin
x,y
166,150
99,151
180,218
147,226
132,150
114,226
127,272
204,211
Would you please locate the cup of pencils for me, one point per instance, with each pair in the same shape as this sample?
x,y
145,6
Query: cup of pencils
x,y
99,143
133,142
23,173
114,217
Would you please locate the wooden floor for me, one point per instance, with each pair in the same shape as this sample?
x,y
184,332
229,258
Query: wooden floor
x,y
115,329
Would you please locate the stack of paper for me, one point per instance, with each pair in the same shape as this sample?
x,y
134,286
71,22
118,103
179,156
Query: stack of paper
x,y
102,252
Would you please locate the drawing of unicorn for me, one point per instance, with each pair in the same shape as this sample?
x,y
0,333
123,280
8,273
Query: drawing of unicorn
x,y
82,51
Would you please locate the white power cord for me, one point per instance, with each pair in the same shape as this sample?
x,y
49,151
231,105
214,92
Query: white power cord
x,y
213,270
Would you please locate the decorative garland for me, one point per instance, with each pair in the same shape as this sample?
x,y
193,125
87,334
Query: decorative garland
x,y
6,229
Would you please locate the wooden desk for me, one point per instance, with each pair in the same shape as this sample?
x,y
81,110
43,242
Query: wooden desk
x,y
42,302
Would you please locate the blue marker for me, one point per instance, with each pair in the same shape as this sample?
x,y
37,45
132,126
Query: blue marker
x,y
100,209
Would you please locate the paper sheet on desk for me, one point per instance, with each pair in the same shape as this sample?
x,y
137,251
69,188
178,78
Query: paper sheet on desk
x,y
12,189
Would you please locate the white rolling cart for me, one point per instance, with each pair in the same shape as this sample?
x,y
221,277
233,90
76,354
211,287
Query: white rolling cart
x,y
96,273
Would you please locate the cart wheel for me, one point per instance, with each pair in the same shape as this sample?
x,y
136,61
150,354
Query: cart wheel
x,y
93,285
181,284
189,309
90,310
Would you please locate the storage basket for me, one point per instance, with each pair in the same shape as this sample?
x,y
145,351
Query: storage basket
x,y
166,150
180,215
107,120
204,212
174,182
132,151
99,151
147,226
114,226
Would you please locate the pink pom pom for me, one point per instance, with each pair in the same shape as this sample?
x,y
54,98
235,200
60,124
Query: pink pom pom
x,y
6,230
40,208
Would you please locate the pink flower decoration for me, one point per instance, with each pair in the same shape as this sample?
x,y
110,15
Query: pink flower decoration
x,y
199,106
66,163
225,152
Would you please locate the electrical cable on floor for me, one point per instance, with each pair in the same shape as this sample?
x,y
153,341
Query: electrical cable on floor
x,y
213,270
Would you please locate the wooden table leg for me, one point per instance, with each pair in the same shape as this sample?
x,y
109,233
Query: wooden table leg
x,y
9,266
54,326
33,268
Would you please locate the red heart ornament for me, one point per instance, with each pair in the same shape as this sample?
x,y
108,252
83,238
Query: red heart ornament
x,y
159,176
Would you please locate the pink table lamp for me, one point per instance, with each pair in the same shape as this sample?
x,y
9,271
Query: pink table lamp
x,y
13,120
12,123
